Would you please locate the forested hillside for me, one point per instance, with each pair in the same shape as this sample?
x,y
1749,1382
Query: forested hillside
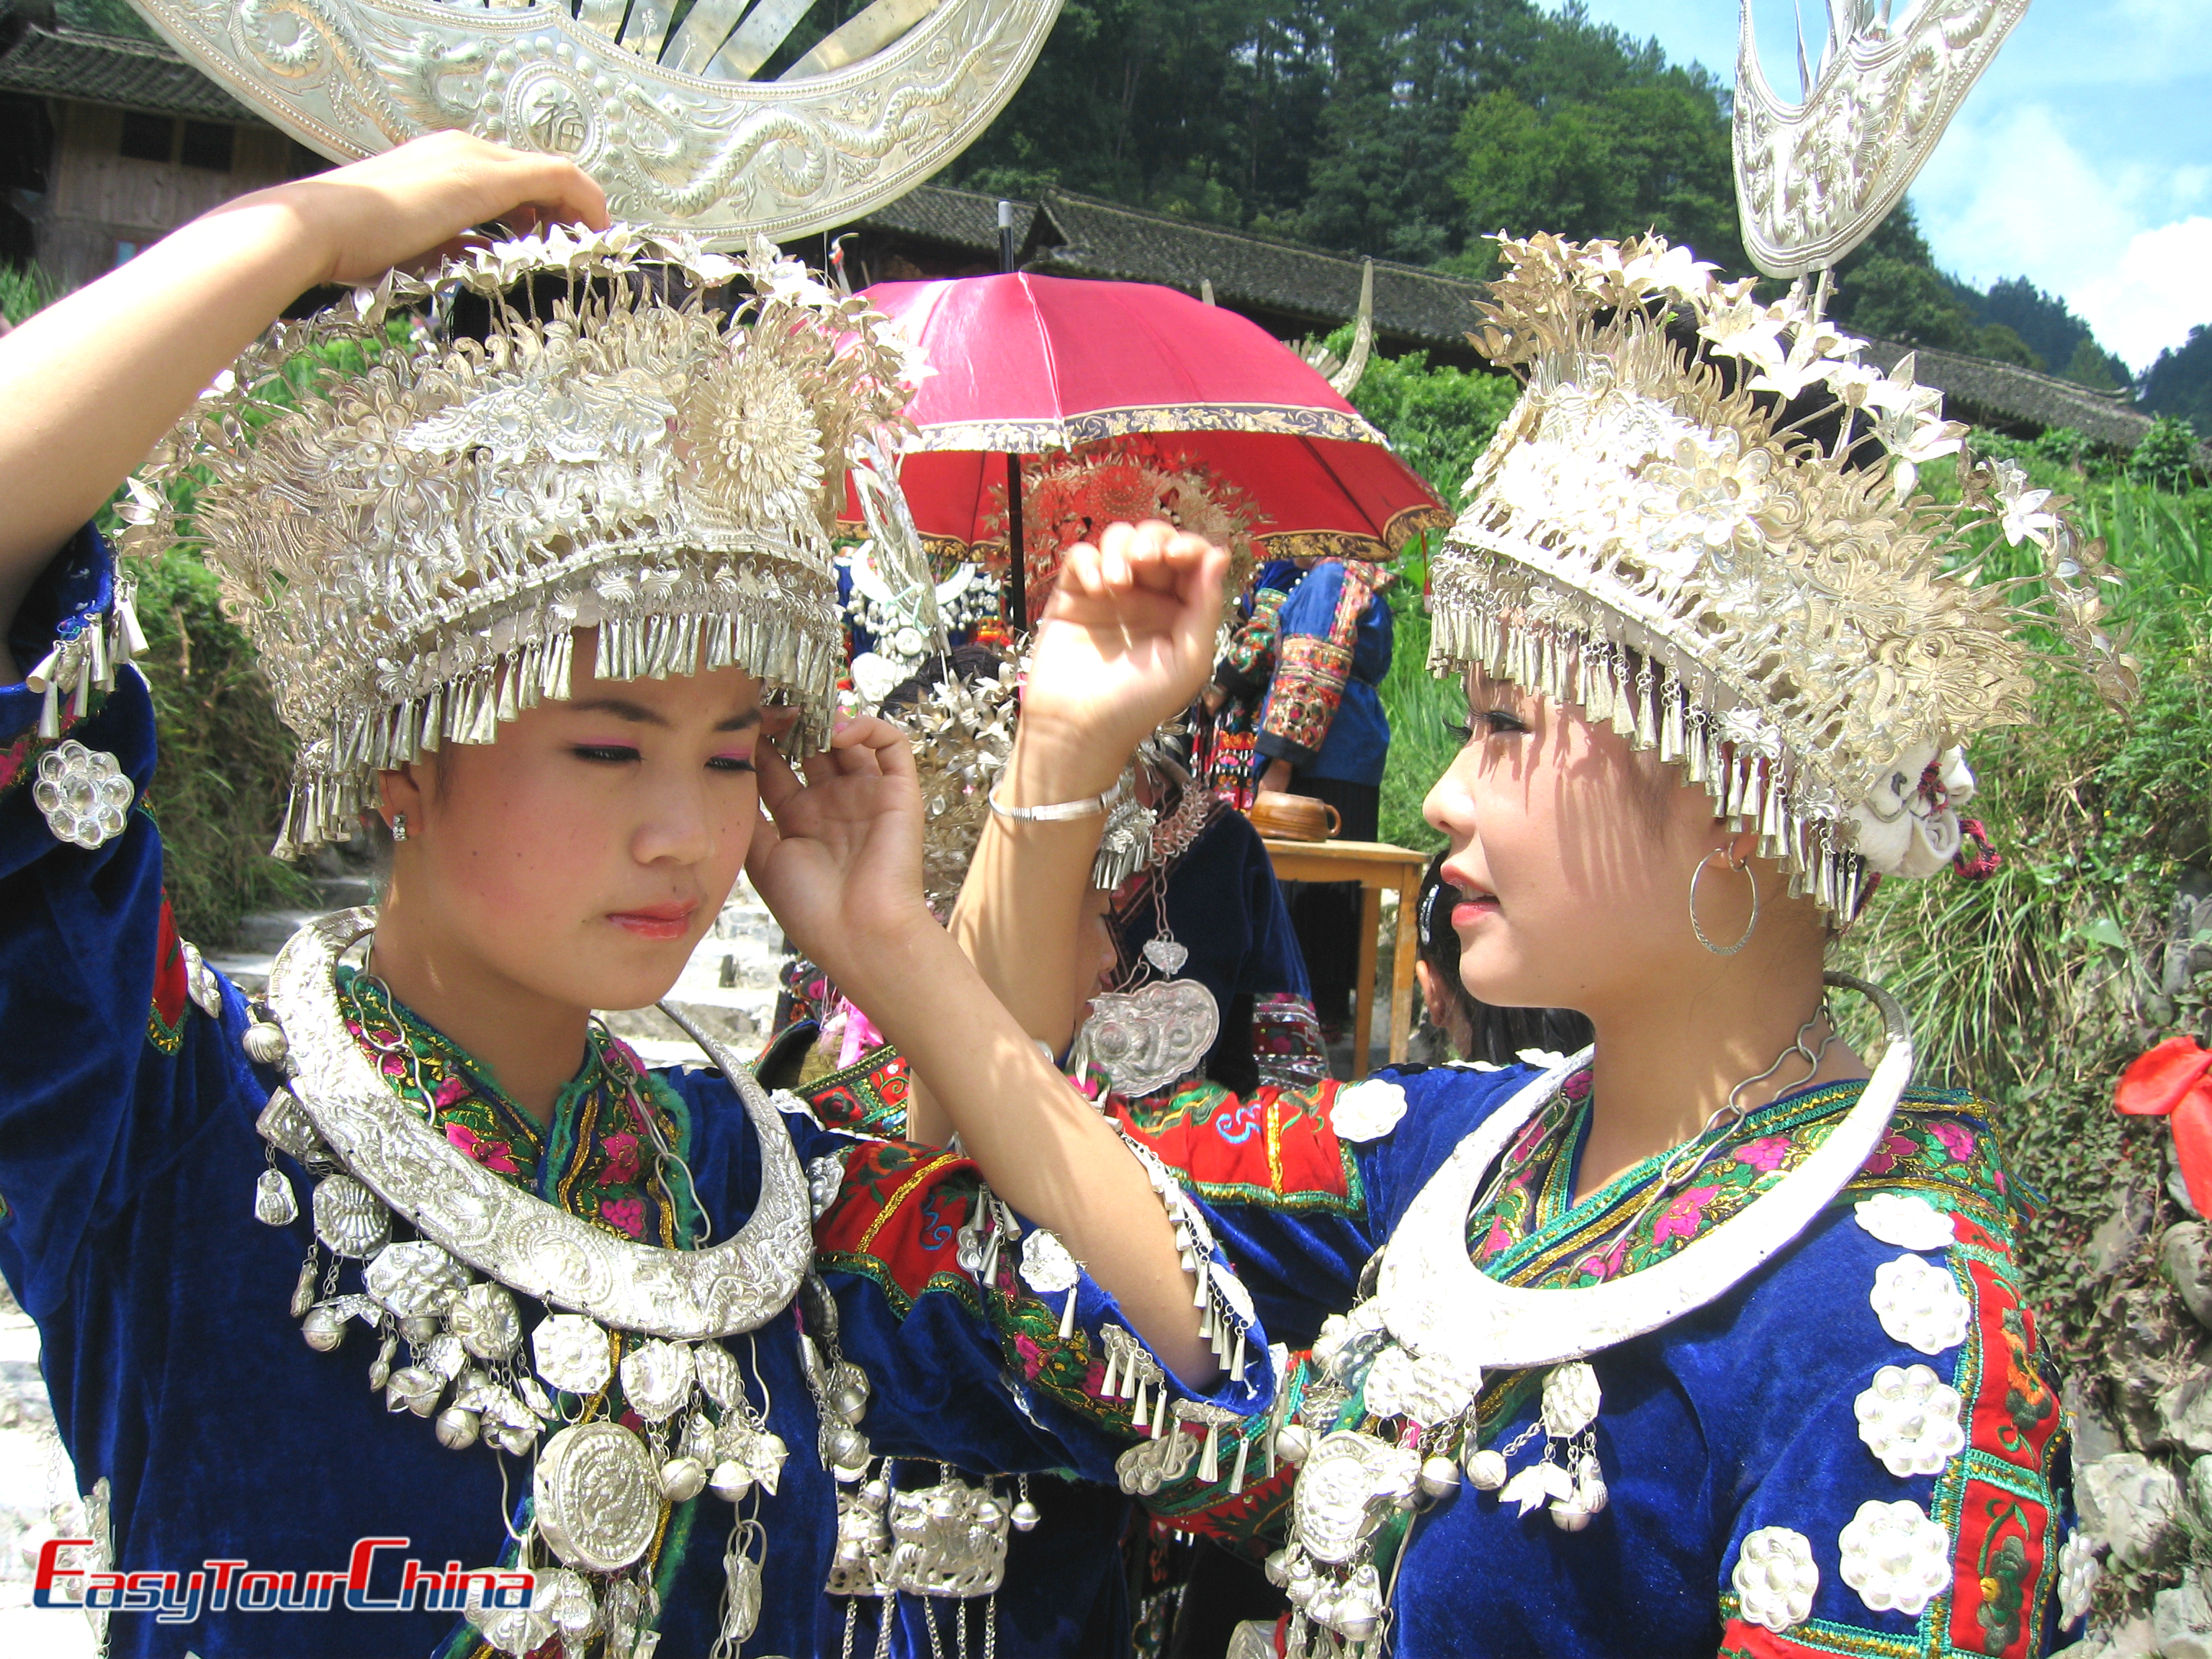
x,y
1411,129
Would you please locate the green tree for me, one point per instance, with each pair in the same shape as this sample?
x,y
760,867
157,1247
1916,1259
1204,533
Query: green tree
x,y
2092,365
2179,383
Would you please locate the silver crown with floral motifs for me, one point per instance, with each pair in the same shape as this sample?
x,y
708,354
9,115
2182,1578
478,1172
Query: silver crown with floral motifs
x,y
410,525
1807,638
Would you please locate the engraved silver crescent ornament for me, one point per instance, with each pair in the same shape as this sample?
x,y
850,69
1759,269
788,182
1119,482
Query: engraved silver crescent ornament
x,y
670,123
1815,179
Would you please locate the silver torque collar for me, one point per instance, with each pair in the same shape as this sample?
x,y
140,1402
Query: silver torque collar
x,y
1435,1301
513,1235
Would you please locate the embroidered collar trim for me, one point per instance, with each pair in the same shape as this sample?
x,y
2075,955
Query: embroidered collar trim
x,y
1435,1301
511,1235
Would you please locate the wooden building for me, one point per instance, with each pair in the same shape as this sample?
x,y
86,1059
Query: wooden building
x,y
110,140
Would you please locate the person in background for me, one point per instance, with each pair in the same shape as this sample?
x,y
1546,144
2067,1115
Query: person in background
x,y
1322,733
1209,886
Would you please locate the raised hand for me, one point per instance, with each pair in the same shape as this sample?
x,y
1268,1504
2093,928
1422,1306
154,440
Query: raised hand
x,y
411,204
838,858
1127,639
93,380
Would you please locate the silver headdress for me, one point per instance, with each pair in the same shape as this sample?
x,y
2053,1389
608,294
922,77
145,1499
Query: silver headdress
x,y
1649,538
409,524
1814,180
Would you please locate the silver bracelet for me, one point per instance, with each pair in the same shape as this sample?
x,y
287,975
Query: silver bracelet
x,y
1058,811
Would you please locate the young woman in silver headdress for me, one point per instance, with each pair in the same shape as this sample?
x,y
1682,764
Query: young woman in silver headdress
x,y
1708,1338
531,554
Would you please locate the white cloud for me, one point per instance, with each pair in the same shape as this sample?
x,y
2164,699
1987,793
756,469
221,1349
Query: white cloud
x,y
2011,194
2156,291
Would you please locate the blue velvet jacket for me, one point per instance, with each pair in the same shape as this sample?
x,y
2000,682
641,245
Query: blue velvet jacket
x,y
1743,1416
128,1158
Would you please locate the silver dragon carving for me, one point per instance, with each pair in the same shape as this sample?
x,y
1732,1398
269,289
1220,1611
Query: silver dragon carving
x,y
668,121
1814,180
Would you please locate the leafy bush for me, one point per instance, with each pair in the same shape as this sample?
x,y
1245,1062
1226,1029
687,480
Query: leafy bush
x,y
2166,456
225,761
1438,419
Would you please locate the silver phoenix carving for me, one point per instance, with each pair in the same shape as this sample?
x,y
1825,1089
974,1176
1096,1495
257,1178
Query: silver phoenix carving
x,y
1814,179
670,122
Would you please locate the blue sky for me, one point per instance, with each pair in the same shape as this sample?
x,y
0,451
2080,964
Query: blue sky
x,y
2082,159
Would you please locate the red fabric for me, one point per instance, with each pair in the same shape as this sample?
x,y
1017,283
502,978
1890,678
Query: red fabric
x,y
2170,1081
1053,349
169,986
1029,348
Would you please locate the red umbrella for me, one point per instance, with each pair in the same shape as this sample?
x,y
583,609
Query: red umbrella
x,y
1023,364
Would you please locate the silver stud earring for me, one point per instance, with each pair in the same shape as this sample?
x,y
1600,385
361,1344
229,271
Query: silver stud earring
x,y
400,826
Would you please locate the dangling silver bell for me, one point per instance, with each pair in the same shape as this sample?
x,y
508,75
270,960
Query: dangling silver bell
x,y
842,1443
1356,1619
682,1479
1292,1443
266,1044
323,1328
1439,1477
419,1328
1025,1516
1486,1469
731,1480
456,1429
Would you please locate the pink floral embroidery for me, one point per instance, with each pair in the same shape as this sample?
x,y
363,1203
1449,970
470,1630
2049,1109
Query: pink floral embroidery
x,y
622,1158
1032,1355
1764,1153
1894,1146
1496,1242
1682,1218
492,1154
1606,1265
1957,1139
1576,1086
624,1215
451,1092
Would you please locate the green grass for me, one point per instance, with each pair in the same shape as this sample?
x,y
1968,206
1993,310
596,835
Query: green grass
x,y
24,289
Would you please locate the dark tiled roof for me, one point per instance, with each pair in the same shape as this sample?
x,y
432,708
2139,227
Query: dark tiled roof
x,y
963,218
1104,239
2007,395
106,68
1070,236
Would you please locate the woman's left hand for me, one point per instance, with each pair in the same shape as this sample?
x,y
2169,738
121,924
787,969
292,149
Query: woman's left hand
x,y
838,857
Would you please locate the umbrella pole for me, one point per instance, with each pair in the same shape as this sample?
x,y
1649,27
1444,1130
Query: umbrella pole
x,y
1016,593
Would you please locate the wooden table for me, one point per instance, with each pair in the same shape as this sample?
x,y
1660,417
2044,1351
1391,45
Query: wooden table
x,y
1375,865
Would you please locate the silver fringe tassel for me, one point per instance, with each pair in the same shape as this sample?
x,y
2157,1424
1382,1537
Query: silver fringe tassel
x,y
1658,706
330,792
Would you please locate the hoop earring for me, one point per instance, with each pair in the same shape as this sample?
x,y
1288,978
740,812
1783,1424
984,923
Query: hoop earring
x,y
1748,928
399,832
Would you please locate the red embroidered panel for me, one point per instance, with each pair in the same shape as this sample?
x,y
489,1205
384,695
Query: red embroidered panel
x,y
165,1021
1275,1149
